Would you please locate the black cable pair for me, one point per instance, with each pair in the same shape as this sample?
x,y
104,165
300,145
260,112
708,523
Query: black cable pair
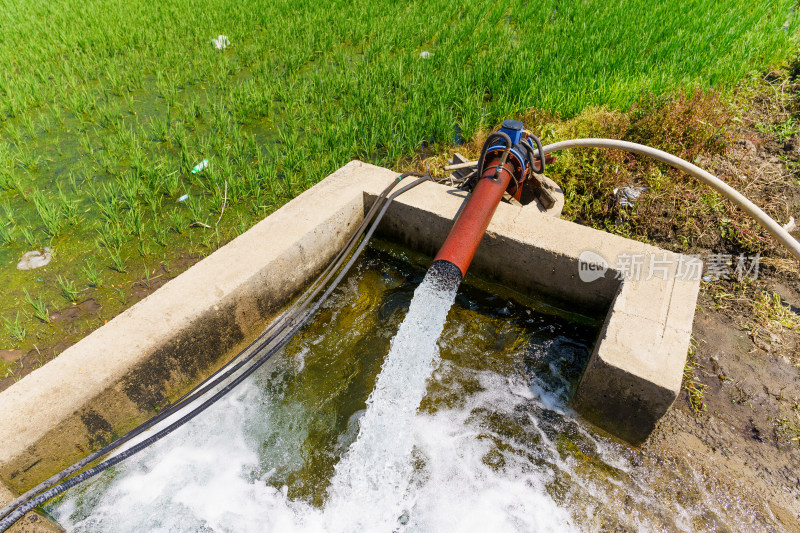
x,y
276,336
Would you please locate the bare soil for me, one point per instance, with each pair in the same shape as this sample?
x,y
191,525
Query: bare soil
x,y
735,446
744,445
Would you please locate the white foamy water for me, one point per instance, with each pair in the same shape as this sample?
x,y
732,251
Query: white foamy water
x,y
494,447
367,492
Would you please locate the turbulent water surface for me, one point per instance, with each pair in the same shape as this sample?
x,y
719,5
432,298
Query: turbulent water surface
x,y
366,423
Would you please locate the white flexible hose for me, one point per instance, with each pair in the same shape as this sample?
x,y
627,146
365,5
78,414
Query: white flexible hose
x,y
777,231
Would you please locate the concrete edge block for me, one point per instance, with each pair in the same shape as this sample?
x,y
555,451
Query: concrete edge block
x,y
114,378
636,368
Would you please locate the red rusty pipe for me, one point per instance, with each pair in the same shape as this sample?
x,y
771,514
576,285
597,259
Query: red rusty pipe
x,y
461,244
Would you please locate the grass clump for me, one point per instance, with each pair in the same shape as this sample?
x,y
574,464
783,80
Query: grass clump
x,y
694,388
7,369
38,306
773,313
687,125
49,212
92,274
14,328
68,289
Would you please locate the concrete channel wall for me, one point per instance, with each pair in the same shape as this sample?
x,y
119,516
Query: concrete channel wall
x,y
122,373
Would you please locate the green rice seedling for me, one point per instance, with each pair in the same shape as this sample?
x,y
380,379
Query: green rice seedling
x,y
114,79
127,96
110,235
86,144
28,160
134,222
6,157
27,234
197,210
242,223
8,211
160,231
117,263
6,233
106,162
159,129
109,202
143,249
148,277
45,123
38,306
173,183
83,123
92,274
129,187
186,159
137,157
7,369
167,86
76,103
59,147
153,197
68,288
87,101
126,138
123,296
55,112
177,221
30,127
15,184
211,240
73,184
13,133
49,212
67,206
108,116
191,111
178,134
14,328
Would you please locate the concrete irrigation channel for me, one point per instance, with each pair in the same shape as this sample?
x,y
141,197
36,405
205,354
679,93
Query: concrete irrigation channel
x,y
123,373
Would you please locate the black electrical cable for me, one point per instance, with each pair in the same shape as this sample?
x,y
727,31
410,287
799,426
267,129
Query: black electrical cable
x,y
487,145
195,392
225,371
532,154
31,503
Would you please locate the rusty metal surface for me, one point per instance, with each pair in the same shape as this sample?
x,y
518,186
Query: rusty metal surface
x,y
461,244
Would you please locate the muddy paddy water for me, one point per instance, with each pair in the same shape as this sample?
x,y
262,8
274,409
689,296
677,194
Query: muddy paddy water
x,y
494,445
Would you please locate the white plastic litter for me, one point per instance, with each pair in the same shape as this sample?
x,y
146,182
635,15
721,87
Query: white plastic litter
x,y
201,166
425,54
626,196
35,259
221,42
791,225
183,198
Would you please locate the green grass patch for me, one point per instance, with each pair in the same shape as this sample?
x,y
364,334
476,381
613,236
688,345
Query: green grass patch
x,y
695,389
102,120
